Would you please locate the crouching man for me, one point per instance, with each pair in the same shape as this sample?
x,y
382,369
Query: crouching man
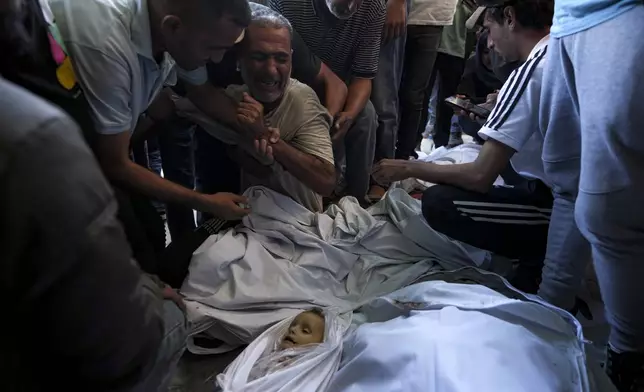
x,y
296,158
511,220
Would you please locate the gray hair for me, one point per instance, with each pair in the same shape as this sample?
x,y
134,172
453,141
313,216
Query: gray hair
x,y
266,17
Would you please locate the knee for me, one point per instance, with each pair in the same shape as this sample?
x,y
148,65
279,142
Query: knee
x,y
435,202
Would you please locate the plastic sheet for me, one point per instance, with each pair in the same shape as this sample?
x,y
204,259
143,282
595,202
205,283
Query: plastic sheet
x,y
263,367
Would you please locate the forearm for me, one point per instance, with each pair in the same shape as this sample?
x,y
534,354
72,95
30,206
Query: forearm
x,y
465,176
358,94
311,171
137,178
214,102
335,91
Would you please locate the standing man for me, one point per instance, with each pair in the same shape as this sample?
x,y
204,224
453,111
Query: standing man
x,y
594,154
424,29
123,52
387,82
346,35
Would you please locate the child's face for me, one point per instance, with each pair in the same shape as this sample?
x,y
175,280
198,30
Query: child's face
x,y
307,328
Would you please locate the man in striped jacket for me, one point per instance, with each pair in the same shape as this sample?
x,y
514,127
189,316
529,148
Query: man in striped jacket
x,y
510,219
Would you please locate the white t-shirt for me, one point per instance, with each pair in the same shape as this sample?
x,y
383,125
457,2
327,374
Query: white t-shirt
x,y
110,44
432,12
514,121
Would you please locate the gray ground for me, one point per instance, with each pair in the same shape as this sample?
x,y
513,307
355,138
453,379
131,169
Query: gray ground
x,y
197,373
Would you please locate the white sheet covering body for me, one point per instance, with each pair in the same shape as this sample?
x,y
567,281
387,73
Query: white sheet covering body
x,y
284,259
304,369
445,337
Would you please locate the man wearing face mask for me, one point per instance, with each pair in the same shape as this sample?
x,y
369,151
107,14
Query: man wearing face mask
x,y
123,53
346,35
300,162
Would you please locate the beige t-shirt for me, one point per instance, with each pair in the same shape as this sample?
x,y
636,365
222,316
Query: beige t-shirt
x,y
303,123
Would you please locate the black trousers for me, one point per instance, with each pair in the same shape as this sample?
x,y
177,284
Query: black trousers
x,y
448,71
509,221
421,50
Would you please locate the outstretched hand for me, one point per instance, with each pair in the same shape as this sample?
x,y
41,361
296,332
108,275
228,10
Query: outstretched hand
x,y
388,171
224,205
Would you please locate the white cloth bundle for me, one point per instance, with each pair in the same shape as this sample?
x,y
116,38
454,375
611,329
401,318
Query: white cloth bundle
x,y
262,367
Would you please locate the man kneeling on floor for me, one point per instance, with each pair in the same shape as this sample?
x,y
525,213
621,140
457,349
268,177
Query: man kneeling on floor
x,y
511,220
298,160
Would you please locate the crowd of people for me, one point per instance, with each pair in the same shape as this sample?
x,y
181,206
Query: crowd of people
x,y
315,99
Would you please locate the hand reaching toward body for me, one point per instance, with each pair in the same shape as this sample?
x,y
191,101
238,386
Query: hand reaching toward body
x,y
390,170
225,205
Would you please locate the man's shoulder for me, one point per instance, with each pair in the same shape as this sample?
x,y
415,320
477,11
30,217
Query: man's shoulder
x,y
300,105
301,91
301,98
371,12
23,114
96,24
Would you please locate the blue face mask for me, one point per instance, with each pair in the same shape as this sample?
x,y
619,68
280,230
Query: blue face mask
x,y
343,9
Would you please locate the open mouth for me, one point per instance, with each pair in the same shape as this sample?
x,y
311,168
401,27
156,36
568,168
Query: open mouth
x,y
268,84
289,340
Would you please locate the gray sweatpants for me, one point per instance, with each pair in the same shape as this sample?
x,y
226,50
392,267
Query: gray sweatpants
x,y
592,116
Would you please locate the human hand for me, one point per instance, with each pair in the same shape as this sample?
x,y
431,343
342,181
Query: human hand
x,y
490,103
343,121
250,115
263,145
390,170
171,294
225,205
396,21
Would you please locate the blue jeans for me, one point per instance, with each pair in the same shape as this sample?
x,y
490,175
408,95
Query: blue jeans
x,y
593,153
172,348
384,96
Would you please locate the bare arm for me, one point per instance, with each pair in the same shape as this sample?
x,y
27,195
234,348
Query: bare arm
x,y
358,95
335,90
112,153
311,170
214,102
477,176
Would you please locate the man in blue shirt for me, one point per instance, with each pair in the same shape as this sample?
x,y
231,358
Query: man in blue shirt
x,y
592,98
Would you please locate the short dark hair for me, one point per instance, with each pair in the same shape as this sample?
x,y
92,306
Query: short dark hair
x,y
531,14
317,311
237,10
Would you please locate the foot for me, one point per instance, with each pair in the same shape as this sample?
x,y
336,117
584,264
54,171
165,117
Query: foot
x,y
455,139
626,370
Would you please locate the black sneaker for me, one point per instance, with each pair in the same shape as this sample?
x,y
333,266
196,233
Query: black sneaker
x,y
626,370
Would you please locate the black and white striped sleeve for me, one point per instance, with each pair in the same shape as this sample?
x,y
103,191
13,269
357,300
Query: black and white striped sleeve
x,y
516,114
367,55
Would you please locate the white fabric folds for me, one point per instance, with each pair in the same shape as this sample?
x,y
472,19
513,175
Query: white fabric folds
x,y
262,367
